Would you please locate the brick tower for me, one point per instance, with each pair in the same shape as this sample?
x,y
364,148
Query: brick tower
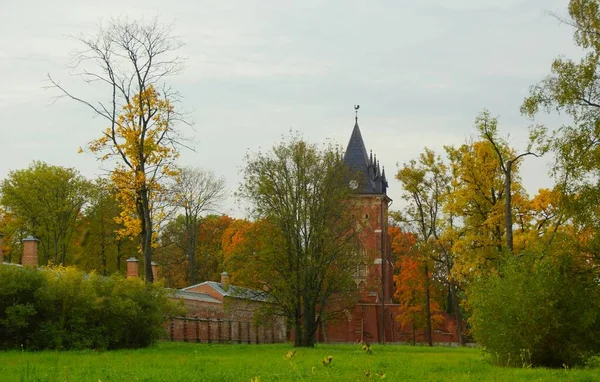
x,y
372,205
371,319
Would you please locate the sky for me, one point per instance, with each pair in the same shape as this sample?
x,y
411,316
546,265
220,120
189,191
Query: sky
x,y
255,70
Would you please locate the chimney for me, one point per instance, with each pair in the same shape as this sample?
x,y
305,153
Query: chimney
x,y
132,267
225,280
30,257
1,254
154,271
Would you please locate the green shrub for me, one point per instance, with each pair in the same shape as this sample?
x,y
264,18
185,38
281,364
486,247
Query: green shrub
x,y
538,311
64,308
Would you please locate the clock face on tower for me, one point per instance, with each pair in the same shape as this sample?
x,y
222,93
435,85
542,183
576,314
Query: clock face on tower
x,y
353,184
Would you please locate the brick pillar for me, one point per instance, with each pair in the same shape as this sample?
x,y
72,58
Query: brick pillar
x,y
154,271
132,267
1,253
30,247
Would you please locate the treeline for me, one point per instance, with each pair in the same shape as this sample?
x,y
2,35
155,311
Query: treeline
x,y
81,222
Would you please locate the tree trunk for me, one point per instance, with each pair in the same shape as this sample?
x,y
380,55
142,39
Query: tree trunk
x,y
457,313
297,328
119,255
191,248
507,206
309,327
428,307
146,234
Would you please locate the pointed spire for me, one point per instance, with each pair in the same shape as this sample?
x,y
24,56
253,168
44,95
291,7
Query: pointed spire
x,y
378,170
383,178
356,156
371,158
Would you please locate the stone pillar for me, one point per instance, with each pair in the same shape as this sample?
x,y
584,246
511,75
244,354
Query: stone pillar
x,y
1,253
132,267
154,271
30,256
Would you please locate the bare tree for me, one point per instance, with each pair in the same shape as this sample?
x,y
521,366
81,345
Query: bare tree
x,y
128,62
196,192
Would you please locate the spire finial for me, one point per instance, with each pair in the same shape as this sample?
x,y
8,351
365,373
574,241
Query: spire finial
x,y
356,107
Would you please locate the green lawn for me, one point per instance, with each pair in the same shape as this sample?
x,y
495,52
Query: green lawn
x,y
202,362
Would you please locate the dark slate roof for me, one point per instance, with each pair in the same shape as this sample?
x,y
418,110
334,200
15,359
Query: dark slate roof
x,y
233,291
370,177
196,296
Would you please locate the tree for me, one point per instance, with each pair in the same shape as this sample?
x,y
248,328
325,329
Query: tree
x,y
540,309
476,202
414,287
488,127
47,200
210,246
14,232
425,183
196,191
101,245
130,60
571,88
301,192
172,252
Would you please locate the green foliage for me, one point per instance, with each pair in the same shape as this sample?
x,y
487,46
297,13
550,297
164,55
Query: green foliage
x,y
571,89
100,246
537,311
64,308
302,191
46,201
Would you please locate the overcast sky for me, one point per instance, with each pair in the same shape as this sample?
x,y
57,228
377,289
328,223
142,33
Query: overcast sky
x,y
420,70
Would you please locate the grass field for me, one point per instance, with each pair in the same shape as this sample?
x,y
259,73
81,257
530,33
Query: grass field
x,y
201,362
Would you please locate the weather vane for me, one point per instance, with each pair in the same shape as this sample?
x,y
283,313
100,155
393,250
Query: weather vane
x,y
356,107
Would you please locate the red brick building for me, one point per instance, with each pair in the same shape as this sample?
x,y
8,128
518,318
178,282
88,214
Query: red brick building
x,y
220,312
375,309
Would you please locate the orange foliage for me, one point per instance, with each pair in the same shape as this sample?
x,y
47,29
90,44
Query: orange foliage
x,y
411,282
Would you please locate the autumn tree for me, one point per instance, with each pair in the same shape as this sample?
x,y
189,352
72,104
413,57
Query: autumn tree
x,y
477,201
172,252
196,192
571,89
13,231
414,287
46,201
425,185
488,127
301,191
246,246
128,61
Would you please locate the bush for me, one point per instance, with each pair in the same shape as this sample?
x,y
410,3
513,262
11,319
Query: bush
x,y
64,308
538,311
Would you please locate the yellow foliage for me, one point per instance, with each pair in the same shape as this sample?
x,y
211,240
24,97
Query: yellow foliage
x,y
139,141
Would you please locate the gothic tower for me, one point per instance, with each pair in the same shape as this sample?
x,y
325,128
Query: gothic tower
x,y
372,206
